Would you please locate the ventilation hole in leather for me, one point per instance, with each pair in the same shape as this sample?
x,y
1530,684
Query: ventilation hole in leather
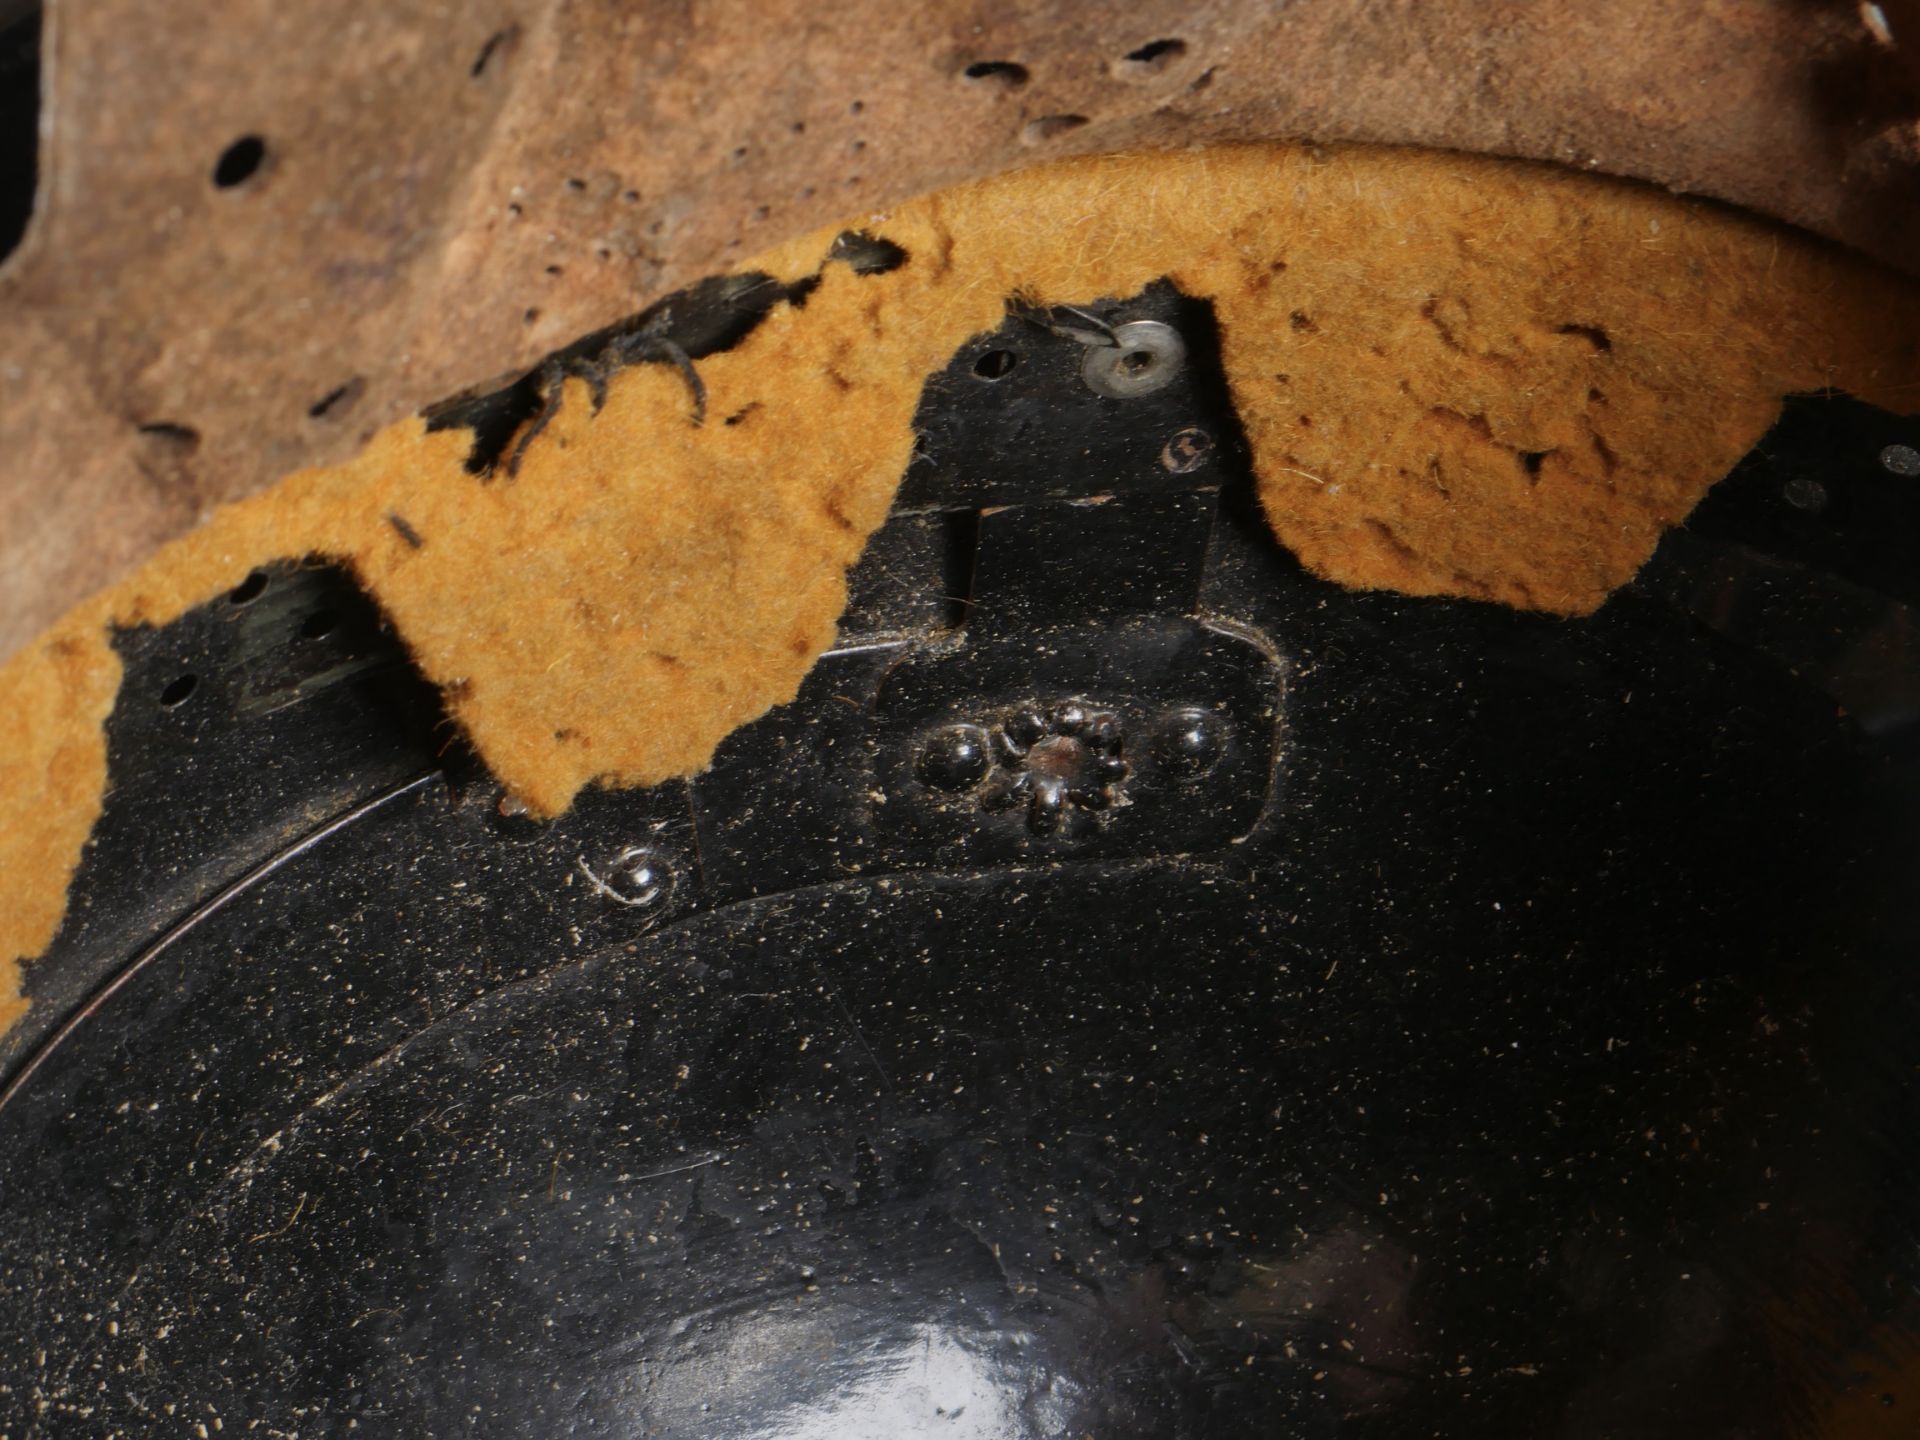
x,y
1049,127
1005,74
240,162
337,400
996,364
1152,58
19,126
249,589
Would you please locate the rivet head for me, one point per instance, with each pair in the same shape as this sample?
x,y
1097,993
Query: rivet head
x,y
1901,459
1805,494
955,758
641,876
1145,356
1187,451
1067,718
1188,741
1048,803
1103,732
1023,727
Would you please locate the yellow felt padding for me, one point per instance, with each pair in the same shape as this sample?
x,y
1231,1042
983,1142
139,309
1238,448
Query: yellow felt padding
x,y
1458,376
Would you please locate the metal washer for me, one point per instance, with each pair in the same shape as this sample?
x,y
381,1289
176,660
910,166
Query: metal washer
x,y
1145,356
